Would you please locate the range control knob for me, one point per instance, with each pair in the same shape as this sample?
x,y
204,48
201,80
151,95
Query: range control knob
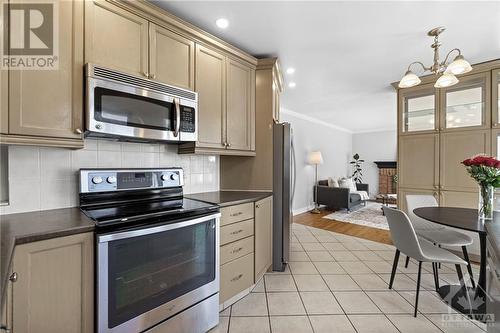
x,y
111,179
164,177
174,176
97,179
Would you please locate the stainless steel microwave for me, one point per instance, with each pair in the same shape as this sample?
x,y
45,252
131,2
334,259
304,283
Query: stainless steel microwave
x,y
132,108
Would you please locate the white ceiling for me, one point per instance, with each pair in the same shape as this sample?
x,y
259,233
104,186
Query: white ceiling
x,y
347,53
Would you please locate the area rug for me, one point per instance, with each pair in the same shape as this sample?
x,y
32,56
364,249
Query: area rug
x,y
369,216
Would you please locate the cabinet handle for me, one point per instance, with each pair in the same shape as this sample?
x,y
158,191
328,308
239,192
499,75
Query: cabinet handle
x,y
237,250
78,131
236,278
236,232
225,144
228,144
257,206
152,76
236,214
13,277
146,74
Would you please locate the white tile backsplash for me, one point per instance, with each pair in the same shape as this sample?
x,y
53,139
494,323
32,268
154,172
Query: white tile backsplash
x,y
47,178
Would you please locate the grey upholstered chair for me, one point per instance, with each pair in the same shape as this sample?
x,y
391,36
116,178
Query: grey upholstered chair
x,y
406,241
436,233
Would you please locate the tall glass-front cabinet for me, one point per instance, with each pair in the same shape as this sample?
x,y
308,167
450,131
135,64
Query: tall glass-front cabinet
x,y
438,129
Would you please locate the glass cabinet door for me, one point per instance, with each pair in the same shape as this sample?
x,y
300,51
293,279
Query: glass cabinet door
x,y
466,104
419,110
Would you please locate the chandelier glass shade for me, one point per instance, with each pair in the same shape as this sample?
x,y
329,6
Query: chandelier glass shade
x,y
445,70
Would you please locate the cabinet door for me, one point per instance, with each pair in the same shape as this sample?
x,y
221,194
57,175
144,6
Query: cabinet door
x,y
459,199
49,103
240,121
263,236
211,87
466,105
418,162
116,38
456,147
4,102
403,192
495,97
171,57
54,287
417,109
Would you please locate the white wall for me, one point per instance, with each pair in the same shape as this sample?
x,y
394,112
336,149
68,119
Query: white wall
x,y
310,134
374,146
47,178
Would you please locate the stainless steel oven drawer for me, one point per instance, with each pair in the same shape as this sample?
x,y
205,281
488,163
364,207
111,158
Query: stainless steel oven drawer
x,y
236,231
236,276
236,249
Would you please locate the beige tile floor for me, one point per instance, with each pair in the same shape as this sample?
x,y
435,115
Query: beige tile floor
x,y
339,283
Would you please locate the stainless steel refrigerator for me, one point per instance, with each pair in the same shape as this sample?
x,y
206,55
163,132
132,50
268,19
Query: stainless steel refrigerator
x,y
283,188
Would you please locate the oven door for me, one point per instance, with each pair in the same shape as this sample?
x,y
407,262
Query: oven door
x,y
148,275
120,110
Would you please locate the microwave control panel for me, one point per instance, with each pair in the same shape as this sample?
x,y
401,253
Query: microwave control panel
x,y
188,119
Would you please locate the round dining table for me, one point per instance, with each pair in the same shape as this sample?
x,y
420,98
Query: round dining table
x,y
464,219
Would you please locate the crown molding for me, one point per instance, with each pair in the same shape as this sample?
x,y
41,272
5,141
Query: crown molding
x,y
314,120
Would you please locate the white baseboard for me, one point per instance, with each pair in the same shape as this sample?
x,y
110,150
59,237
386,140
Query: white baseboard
x,y
302,210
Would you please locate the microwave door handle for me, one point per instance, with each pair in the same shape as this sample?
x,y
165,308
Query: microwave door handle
x,y
177,117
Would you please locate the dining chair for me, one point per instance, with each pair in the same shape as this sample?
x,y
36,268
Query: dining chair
x,y
406,241
436,233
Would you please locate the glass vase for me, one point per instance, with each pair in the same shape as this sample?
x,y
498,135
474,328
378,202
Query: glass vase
x,y
486,195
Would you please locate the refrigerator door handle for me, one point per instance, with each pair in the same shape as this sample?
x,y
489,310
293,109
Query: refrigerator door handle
x,y
294,172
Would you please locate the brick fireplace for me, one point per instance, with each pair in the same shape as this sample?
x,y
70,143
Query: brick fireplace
x,y
386,173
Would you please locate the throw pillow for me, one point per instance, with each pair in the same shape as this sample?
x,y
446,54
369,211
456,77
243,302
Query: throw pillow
x,y
332,182
348,183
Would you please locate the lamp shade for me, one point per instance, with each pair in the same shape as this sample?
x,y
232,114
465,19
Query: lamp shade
x,y
315,158
409,80
459,66
446,80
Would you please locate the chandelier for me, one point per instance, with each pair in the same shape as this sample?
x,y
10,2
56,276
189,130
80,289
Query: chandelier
x,y
447,71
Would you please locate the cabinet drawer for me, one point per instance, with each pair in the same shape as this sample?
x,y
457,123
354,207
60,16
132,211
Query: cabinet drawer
x,y
235,277
235,250
235,231
236,213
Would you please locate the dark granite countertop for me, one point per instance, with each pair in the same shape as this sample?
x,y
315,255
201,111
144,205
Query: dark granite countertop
x,y
35,226
229,198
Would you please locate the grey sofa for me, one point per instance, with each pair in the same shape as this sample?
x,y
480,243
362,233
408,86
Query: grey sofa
x,y
336,198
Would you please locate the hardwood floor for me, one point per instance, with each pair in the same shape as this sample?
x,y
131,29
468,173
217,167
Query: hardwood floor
x,y
317,221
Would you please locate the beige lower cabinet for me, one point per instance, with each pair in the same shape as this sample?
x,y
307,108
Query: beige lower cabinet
x,y
235,277
263,236
54,289
459,199
456,147
4,101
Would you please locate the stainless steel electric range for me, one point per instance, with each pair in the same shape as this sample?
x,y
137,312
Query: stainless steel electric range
x,y
157,253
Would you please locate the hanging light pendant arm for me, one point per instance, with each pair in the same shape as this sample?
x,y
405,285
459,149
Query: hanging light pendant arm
x,y
417,62
444,63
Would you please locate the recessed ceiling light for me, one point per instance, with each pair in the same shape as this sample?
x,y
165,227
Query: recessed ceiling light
x,y
222,23
292,85
290,70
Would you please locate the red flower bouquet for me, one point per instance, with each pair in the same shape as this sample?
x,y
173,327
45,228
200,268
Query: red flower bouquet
x,y
486,172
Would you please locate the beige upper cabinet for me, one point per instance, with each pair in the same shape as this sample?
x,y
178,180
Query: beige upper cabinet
x,y
456,147
418,110
49,103
466,105
116,38
211,88
54,288
263,236
4,101
240,120
495,97
418,161
171,57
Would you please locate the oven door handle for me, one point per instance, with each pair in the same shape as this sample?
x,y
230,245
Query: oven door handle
x,y
154,230
177,117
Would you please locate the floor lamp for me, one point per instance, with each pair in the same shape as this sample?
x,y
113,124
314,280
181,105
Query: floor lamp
x,y
315,158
